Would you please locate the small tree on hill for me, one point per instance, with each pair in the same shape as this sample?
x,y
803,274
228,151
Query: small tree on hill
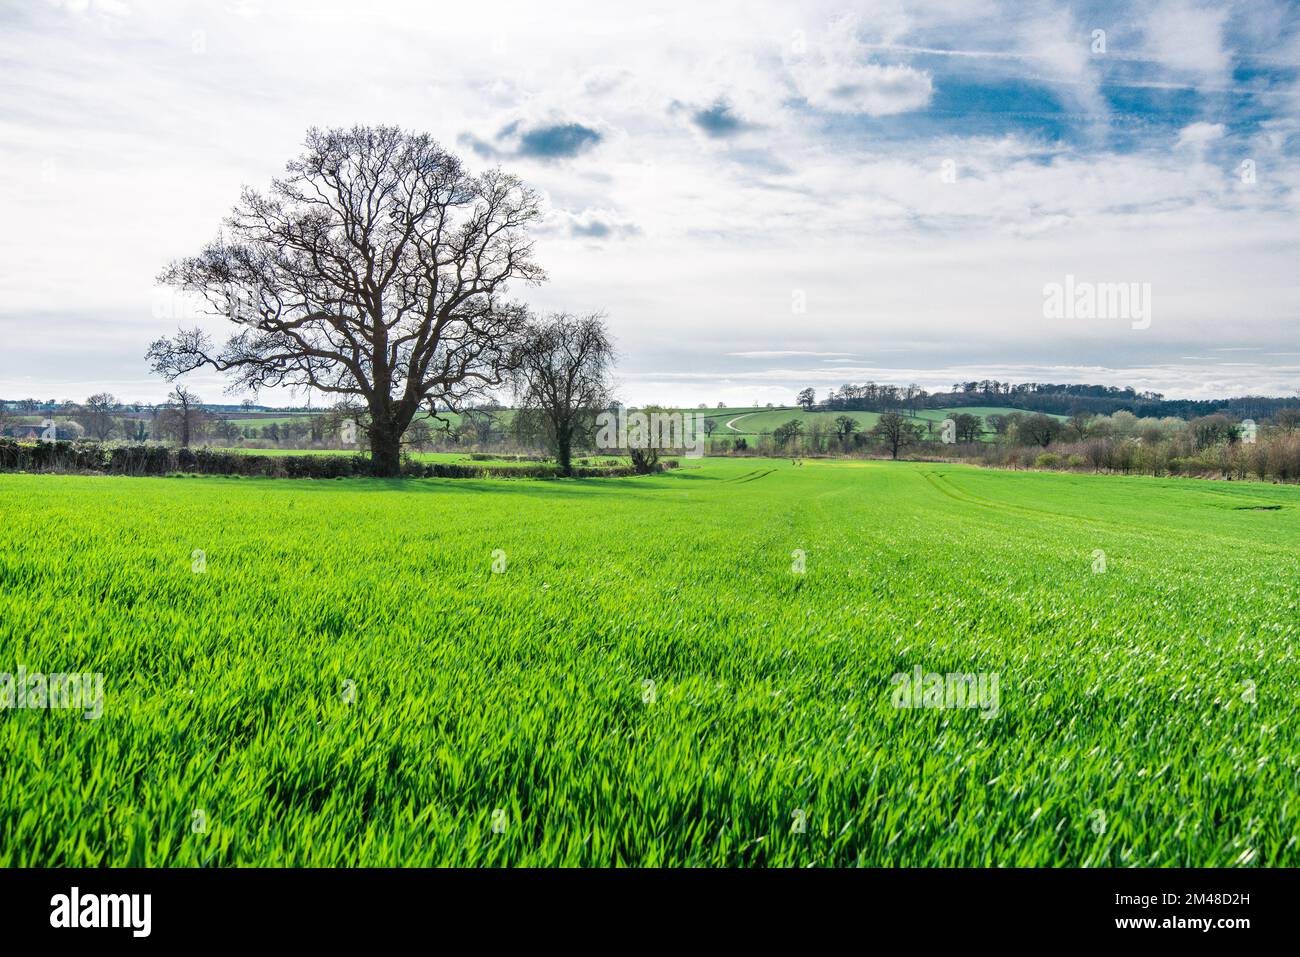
x,y
895,432
783,434
1038,429
845,426
967,427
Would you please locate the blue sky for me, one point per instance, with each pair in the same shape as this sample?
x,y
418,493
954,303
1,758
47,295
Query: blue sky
x,y
759,196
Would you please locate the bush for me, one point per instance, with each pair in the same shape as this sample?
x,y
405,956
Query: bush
x,y
1047,460
142,459
496,457
139,460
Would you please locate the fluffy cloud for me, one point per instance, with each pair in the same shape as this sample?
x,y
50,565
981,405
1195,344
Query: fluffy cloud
x,y
719,120
591,224
832,73
1187,38
1197,136
555,140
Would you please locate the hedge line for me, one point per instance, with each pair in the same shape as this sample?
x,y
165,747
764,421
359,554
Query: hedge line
x,y
160,460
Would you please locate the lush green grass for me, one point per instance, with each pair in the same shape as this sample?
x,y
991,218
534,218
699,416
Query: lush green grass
x,y
1124,693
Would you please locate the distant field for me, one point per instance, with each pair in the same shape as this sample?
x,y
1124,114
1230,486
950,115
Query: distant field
x,y
766,420
691,668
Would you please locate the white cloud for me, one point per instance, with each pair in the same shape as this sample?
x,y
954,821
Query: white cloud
x,y
1186,37
833,73
1200,135
785,353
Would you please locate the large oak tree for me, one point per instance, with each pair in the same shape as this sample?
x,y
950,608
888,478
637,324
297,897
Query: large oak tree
x,y
376,271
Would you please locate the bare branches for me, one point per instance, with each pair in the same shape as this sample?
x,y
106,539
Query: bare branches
x,y
562,381
377,267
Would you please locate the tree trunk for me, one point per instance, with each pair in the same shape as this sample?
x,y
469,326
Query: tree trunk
x,y
385,448
564,453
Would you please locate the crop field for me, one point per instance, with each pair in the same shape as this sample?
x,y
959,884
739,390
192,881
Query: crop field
x,y
693,668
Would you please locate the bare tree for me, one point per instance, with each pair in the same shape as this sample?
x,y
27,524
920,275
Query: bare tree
x,y
895,431
375,270
96,415
180,417
562,383
1287,419
845,426
229,432
1038,429
480,423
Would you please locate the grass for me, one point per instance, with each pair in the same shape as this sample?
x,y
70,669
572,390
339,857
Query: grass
x,y
768,420
1147,712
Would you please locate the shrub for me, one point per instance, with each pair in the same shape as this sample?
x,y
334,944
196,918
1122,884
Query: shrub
x,y
140,459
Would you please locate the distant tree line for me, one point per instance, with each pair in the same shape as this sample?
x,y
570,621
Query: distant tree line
x,y
1212,446
1051,398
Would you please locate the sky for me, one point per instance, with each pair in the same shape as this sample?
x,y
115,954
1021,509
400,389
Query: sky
x,y
758,196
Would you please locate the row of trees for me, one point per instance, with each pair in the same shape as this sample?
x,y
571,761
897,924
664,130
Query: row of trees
x,y
1051,398
1271,456
1212,445
1123,442
102,417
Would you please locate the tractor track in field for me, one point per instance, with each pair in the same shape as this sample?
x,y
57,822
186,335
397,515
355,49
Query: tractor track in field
x,y
944,486
754,478
750,476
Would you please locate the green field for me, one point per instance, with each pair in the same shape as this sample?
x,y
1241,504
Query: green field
x,y
651,680
767,420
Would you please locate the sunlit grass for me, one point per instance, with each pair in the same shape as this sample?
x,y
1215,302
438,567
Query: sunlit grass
x,y
1126,691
